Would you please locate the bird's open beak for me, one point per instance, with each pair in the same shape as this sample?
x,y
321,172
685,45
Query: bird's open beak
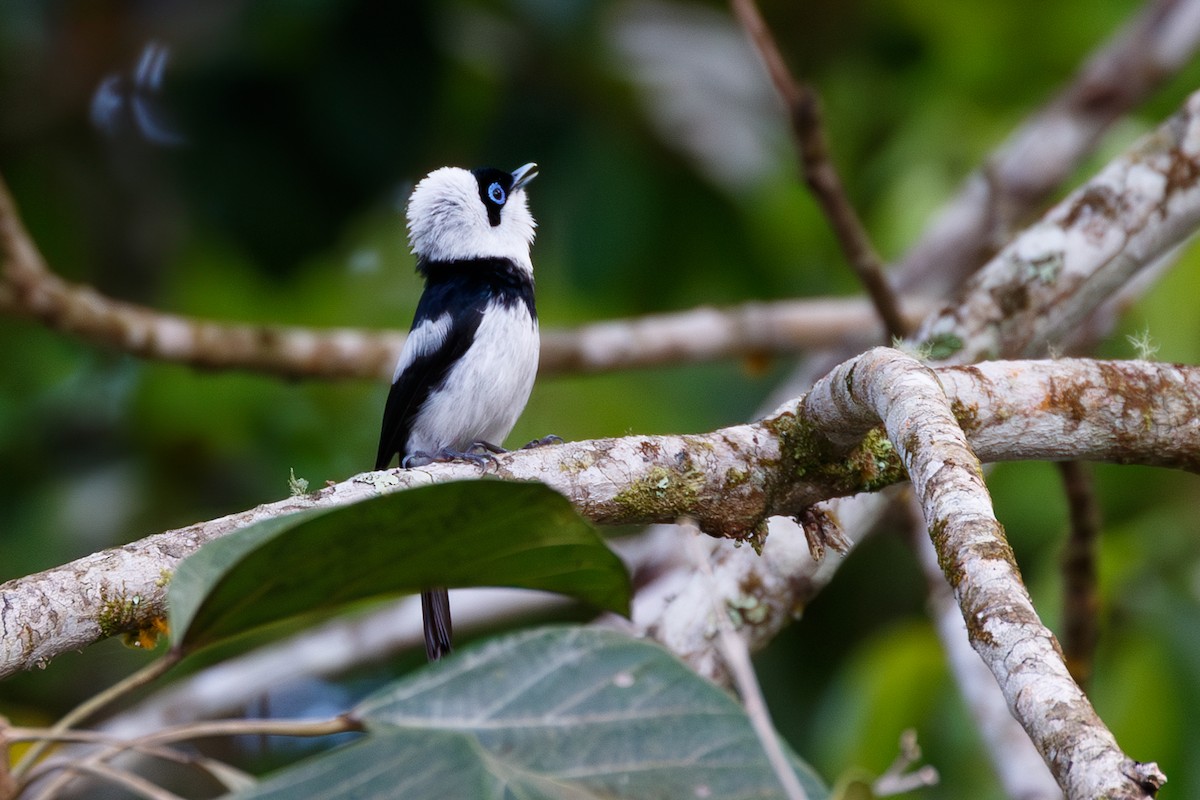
x,y
523,175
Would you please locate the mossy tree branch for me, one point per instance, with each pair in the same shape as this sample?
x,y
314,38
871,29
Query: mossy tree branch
x,y
730,480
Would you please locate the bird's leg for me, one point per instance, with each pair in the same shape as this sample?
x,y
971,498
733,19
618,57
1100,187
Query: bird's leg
x,y
417,458
420,458
481,460
542,442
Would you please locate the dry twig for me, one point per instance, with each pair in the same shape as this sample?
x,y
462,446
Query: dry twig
x,y
65,771
899,777
804,115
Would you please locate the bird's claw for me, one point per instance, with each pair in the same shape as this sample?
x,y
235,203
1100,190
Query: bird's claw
x,y
543,442
480,453
420,458
481,460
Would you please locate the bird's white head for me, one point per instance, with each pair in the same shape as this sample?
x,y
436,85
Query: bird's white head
x,y
456,214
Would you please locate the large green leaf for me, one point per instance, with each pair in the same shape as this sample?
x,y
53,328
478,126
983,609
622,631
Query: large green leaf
x,y
468,533
553,714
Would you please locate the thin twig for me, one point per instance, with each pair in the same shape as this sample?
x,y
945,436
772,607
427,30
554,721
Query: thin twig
x,y
134,783
93,704
897,779
252,727
152,743
1081,597
115,744
192,730
804,115
51,735
737,659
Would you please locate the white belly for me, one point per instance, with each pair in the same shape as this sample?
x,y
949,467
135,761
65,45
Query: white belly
x,y
486,390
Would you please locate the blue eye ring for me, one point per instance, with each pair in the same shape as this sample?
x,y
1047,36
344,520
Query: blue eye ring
x,y
496,194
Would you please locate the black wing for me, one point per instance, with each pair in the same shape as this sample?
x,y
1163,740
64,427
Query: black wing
x,y
428,370
462,290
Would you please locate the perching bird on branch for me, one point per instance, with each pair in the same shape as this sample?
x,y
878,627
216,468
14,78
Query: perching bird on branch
x,y
468,364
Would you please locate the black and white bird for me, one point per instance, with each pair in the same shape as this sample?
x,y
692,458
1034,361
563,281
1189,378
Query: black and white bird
x,y
469,362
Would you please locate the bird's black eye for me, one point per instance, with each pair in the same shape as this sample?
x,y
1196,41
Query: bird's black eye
x,y
495,193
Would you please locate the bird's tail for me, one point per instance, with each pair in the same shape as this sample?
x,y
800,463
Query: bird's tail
x,y
435,611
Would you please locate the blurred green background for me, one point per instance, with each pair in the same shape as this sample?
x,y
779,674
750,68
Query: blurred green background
x,y
667,180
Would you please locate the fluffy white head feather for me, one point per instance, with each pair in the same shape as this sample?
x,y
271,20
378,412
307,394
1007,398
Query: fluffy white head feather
x,y
448,220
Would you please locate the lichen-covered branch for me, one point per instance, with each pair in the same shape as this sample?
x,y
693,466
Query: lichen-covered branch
x,y
1018,765
1080,409
1059,270
1158,41
979,565
731,481
1019,302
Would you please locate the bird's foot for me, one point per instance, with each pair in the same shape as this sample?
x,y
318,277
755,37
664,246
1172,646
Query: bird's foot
x,y
420,458
542,442
482,446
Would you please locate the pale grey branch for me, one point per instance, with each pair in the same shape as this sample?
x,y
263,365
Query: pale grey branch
x,y
1154,45
731,481
974,555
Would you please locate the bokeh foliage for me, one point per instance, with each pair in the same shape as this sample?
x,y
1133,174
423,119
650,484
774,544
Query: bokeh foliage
x,y
307,123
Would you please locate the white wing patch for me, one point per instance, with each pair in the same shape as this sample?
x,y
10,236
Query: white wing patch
x,y
424,339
